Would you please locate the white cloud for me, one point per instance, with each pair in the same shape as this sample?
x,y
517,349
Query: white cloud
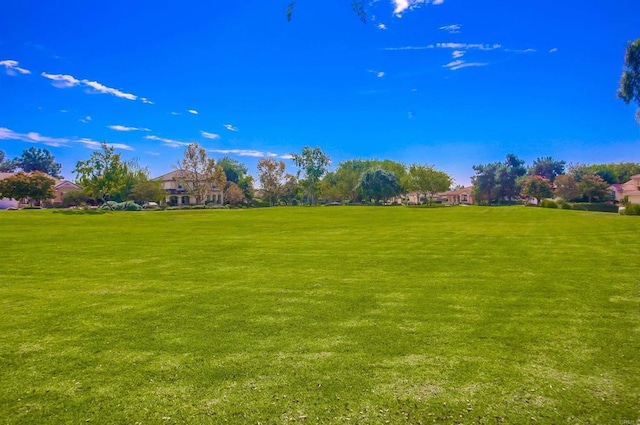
x,y
92,144
63,81
459,64
555,49
451,29
176,113
193,111
403,5
209,135
380,74
230,127
287,156
85,119
468,46
13,68
243,152
168,142
32,137
145,100
125,128
382,27
430,46
457,54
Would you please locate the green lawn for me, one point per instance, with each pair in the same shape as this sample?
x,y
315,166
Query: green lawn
x,y
320,315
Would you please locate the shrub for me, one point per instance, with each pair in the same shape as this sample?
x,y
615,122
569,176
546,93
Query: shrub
x,y
74,198
598,207
121,206
563,204
548,203
631,209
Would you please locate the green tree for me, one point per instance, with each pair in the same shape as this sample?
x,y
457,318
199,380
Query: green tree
x,y
74,198
426,180
485,182
147,191
593,186
36,187
38,159
201,174
312,164
6,166
547,167
104,175
629,90
536,187
271,176
246,184
567,187
329,187
233,170
348,175
379,184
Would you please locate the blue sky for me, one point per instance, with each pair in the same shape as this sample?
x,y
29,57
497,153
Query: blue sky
x,y
450,83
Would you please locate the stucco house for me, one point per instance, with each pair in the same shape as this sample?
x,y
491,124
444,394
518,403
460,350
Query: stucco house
x,y
177,185
60,188
462,196
630,190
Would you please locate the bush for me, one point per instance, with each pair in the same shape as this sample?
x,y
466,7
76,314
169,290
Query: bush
x,y
563,204
598,207
74,198
631,209
548,203
121,206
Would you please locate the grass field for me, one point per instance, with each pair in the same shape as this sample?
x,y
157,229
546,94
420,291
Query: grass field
x,y
320,315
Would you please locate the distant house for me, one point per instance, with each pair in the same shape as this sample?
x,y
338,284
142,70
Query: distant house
x,y
630,190
178,185
60,188
462,196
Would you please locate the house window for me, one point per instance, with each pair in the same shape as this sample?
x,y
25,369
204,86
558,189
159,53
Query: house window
x,y
179,186
464,198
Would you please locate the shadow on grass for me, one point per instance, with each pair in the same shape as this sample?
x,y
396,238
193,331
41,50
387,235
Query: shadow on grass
x,y
80,212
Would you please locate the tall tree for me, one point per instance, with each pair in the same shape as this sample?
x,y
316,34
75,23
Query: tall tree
x,y
629,90
36,159
509,174
234,170
271,176
425,179
379,184
104,174
547,167
567,187
201,174
312,164
594,187
536,187
6,166
485,182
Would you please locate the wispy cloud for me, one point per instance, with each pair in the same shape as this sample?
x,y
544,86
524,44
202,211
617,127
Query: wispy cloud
x,y
33,137
176,113
382,27
555,49
169,142
468,46
125,128
457,54
193,111
145,100
451,29
430,46
63,81
12,67
86,119
92,144
230,127
208,135
459,64
243,152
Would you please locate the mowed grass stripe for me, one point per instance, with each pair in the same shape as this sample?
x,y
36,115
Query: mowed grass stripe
x,y
367,315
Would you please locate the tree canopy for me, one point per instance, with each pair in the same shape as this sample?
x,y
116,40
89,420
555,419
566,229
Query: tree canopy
x,y
629,90
36,159
312,165
104,174
36,187
202,173
379,184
